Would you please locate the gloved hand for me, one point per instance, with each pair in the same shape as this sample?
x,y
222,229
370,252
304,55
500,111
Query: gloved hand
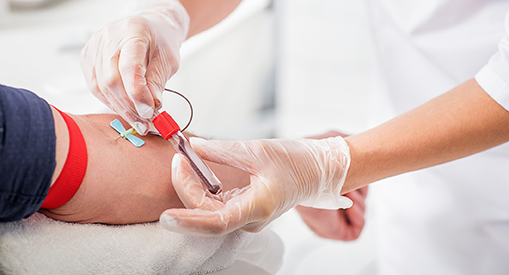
x,y
283,174
341,224
128,62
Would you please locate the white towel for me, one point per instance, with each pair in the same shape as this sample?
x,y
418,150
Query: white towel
x,y
40,245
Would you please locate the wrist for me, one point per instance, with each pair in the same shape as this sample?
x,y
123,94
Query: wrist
x,y
333,158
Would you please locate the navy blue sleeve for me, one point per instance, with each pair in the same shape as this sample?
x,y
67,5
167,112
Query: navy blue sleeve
x,y
27,152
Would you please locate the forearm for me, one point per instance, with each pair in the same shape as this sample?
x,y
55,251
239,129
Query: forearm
x,y
459,123
205,14
124,184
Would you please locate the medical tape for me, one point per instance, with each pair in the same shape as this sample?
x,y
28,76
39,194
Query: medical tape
x,y
74,168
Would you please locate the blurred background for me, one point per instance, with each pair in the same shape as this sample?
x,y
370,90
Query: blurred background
x,y
283,68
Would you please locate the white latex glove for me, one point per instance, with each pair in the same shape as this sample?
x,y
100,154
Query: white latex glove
x,y
128,62
284,173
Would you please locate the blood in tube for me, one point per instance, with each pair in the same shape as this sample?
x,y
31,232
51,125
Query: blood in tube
x,y
170,131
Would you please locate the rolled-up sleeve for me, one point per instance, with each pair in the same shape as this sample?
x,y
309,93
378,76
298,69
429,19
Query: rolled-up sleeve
x,y
494,76
27,152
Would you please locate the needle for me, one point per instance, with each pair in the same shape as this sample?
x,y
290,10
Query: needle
x,y
131,131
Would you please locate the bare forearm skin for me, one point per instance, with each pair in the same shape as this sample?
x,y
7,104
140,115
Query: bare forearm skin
x,y
459,123
123,184
205,14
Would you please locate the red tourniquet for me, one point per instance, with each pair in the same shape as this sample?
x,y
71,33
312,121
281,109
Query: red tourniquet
x,y
73,171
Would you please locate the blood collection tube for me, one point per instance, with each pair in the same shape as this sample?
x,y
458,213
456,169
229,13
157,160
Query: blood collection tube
x,y
170,131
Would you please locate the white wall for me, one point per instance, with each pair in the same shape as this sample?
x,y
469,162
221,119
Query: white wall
x,y
324,54
323,59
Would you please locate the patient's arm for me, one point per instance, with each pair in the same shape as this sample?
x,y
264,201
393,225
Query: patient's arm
x,y
123,184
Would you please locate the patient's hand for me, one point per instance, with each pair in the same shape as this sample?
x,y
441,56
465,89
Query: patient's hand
x,y
124,184
341,224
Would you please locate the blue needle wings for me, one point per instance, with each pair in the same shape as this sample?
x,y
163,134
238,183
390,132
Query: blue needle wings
x,y
117,125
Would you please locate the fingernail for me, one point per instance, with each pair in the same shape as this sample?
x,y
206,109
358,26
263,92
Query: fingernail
x,y
168,222
175,161
145,110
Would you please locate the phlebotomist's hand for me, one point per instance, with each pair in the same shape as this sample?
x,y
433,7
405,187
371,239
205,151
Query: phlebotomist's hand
x,y
284,173
127,63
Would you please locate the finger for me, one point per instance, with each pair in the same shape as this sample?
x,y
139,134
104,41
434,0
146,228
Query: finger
x,y
355,216
331,224
108,80
132,61
195,222
356,221
232,216
110,84
237,212
317,218
108,76
88,66
344,228
118,105
358,199
158,73
93,86
189,187
231,153
363,190
87,61
348,232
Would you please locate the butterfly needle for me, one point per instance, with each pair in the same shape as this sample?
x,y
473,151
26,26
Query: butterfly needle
x,y
124,135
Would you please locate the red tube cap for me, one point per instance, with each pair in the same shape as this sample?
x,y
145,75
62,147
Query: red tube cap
x,y
165,124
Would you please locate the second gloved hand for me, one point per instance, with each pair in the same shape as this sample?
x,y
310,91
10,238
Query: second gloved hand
x,y
128,62
283,174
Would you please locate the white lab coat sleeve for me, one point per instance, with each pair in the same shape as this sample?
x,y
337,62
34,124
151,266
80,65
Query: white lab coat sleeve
x,y
494,76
